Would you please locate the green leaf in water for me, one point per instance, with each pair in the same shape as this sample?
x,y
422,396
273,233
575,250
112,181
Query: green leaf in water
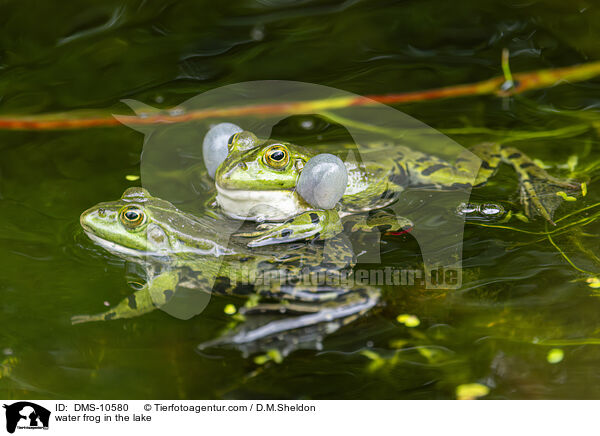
x,y
230,309
572,162
471,391
555,355
564,196
408,320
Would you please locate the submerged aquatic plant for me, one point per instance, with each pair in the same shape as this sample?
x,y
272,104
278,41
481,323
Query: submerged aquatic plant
x,y
509,84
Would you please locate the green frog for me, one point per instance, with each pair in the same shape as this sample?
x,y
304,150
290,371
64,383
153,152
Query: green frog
x,y
260,180
179,251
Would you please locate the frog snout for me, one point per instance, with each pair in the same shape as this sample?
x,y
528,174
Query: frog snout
x,y
94,216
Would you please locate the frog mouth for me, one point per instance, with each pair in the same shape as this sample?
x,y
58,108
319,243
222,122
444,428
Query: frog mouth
x,y
113,247
102,238
257,205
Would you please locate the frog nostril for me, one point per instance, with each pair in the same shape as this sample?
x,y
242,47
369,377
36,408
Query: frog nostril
x,y
243,166
101,213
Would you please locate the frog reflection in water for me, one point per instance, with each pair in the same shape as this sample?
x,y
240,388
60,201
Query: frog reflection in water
x,y
181,251
274,183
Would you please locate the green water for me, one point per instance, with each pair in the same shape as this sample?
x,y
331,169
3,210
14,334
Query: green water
x,y
520,299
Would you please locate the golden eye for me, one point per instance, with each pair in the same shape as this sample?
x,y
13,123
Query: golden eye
x,y
132,216
277,156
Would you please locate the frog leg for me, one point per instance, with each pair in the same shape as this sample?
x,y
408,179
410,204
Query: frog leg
x,y
153,295
210,205
431,171
313,224
472,167
481,159
382,221
540,192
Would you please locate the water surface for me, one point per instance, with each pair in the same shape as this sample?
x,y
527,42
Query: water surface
x,y
520,299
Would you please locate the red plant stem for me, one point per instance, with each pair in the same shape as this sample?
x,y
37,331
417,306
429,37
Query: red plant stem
x,y
522,82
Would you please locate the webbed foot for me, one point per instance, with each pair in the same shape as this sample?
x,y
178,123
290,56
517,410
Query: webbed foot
x,y
152,295
322,224
134,305
541,193
542,197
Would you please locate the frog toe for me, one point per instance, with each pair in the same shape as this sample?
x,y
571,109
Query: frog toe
x,y
278,235
541,193
542,196
314,224
80,319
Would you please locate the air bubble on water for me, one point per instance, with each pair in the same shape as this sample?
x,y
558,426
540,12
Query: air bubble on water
x,y
8,352
258,32
176,111
466,208
159,99
307,124
370,344
469,208
507,86
490,210
106,303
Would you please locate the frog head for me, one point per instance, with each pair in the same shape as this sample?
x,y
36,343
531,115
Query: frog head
x,y
138,224
257,165
257,179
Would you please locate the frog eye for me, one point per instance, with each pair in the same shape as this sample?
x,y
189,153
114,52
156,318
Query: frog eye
x,y
132,216
277,156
